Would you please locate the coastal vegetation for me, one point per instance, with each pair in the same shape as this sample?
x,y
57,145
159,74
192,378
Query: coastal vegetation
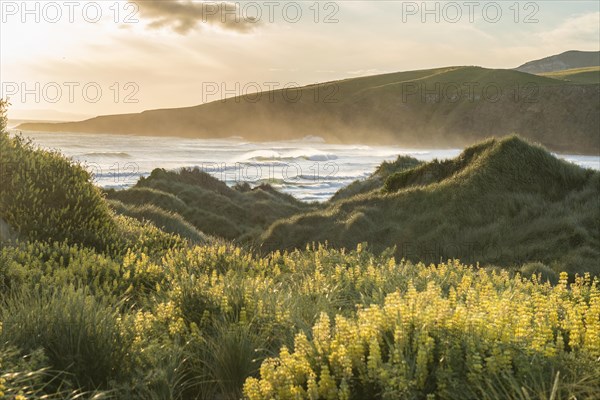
x,y
144,294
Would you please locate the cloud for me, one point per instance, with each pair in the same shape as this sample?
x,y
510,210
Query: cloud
x,y
578,30
185,16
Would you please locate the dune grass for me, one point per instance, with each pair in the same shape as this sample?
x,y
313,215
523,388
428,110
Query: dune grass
x,y
193,197
502,202
377,179
78,334
167,221
43,194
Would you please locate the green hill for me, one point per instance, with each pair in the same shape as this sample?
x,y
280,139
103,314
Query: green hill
x,y
452,106
589,75
502,202
195,198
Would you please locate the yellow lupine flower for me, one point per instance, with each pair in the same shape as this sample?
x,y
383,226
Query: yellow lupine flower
x,y
327,386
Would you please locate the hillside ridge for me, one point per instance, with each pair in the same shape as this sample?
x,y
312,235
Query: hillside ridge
x,y
495,203
568,60
442,107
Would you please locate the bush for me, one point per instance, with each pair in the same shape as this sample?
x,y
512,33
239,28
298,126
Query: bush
x,y
542,272
78,334
46,197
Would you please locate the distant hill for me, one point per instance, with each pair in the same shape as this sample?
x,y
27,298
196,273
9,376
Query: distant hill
x,y
43,115
560,62
589,75
444,107
501,202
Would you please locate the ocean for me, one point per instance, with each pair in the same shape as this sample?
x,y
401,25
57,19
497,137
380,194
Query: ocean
x,y
309,169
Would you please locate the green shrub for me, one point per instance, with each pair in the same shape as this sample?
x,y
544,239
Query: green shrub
x,y
78,334
219,364
542,271
36,266
46,197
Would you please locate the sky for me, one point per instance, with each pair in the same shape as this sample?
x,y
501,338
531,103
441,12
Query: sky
x,y
68,60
